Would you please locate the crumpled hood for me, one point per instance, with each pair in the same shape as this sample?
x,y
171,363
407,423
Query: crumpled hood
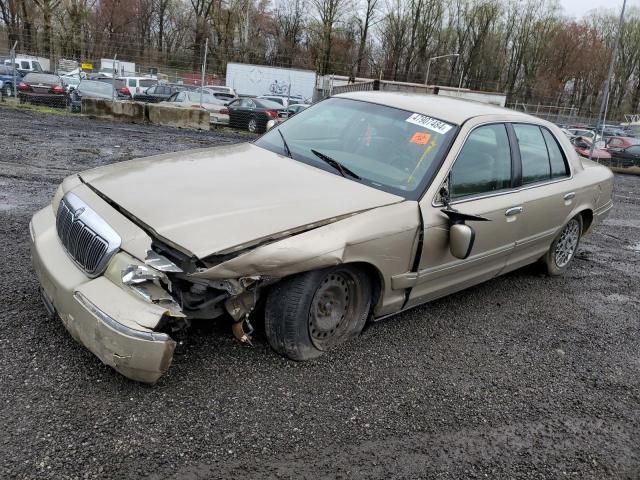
x,y
211,200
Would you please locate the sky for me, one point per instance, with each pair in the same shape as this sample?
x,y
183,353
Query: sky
x,y
577,8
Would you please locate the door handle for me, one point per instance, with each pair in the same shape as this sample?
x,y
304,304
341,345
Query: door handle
x,y
513,211
569,196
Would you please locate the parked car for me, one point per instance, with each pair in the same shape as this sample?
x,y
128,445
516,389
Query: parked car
x,y
283,100
118,83
362,206
42,88
225,97
626,157
95,89
584,132
296,108
222,89
157,93
255,114
620,143
215,107
6,80
70,83
582,146
138,85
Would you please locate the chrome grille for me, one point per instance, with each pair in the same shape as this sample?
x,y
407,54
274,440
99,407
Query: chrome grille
x,y
88,239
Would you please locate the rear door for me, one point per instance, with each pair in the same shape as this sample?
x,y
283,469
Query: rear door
x,y
480,182
549,196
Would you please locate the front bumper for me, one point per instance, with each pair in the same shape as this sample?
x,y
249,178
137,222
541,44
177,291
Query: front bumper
x,y
98,313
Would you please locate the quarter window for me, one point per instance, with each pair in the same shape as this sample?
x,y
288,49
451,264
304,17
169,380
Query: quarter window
x,y
556,158
484,163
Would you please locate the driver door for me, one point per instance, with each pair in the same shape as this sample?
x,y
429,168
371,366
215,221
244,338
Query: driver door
x,y
480,183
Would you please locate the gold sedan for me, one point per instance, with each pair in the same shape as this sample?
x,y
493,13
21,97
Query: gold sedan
x,y
359,207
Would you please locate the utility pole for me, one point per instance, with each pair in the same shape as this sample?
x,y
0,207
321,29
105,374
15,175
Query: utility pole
x,y
113,78
607,83
204,69
13,69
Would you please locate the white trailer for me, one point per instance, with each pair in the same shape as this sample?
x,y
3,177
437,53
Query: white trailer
x,y
248,79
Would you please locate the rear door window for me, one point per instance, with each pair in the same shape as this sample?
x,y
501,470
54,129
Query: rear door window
x,y
484,163
542,158
533,152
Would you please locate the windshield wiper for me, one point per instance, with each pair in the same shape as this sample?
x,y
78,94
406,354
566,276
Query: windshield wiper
x,y
344,171
284,142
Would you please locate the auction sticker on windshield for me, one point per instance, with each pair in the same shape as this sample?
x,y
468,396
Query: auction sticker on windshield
x,y
429,123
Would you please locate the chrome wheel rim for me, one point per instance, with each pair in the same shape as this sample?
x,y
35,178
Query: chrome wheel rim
x,y
252,125
567,243
332,310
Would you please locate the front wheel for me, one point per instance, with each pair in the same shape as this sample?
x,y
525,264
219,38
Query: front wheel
x,y
309,313
7,90
564,247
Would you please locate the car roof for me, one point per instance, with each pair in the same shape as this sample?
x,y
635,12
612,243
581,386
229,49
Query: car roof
x,y
449,109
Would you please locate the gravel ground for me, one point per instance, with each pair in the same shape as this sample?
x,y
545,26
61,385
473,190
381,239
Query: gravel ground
x,y
522,377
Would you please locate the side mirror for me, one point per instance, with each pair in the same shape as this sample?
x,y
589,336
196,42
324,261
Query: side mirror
x,y
461,239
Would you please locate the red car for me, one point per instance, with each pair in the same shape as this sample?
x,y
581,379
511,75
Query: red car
x,y
42,88
582,145
617,144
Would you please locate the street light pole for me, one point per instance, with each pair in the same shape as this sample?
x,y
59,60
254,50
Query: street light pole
x,y
607,83
426,78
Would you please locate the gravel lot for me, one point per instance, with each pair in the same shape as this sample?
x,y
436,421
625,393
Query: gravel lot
x,y
522,377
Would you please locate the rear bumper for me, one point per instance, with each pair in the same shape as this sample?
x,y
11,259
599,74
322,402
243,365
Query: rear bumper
x,y
98,313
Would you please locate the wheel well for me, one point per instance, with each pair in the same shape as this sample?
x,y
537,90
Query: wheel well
x,y
587,220
376,281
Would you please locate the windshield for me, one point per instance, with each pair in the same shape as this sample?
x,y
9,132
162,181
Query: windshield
x,y
388,148
147,83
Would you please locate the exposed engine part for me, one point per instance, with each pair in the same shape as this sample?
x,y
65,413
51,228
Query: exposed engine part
x,y
135,274
161,263
239,332
241,305
232,286
199,300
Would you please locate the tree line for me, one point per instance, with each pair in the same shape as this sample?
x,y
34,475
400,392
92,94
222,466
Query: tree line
x,y
526,48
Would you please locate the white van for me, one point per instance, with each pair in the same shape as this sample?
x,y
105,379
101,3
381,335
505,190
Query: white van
x,y
25,64
138,85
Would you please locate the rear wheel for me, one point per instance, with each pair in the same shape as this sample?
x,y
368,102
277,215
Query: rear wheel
x,y
564,247
253,125
309,313
7,90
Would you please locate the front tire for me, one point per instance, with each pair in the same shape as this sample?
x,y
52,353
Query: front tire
x,y
309,313
564,247
7,90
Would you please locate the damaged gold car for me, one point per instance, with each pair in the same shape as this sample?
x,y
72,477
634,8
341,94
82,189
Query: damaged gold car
x,y
362,206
